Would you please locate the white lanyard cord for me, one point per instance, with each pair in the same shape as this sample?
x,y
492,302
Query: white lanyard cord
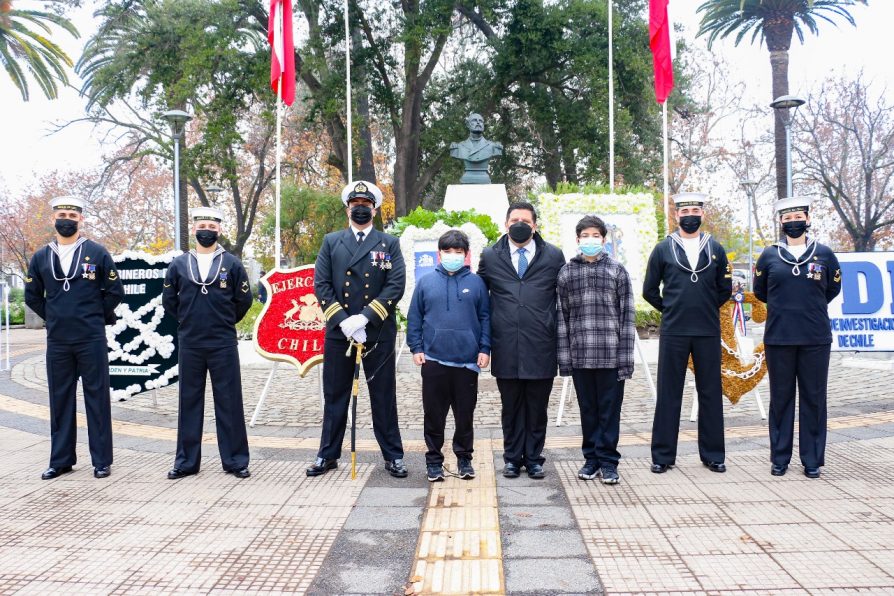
x,y
192,274
54,249
701,245
796,270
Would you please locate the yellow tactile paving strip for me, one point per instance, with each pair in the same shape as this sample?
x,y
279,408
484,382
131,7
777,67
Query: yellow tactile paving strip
x,y
459,549
131,429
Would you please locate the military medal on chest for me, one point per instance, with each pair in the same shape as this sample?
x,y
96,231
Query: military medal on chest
x,y
223,278
89,271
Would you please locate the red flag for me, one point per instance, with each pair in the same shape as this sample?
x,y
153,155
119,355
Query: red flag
x,y
282,55
660,44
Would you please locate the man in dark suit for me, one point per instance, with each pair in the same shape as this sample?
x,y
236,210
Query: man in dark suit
x,y
520,271
359,278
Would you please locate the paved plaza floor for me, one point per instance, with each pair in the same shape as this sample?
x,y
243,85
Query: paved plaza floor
x,y
688,531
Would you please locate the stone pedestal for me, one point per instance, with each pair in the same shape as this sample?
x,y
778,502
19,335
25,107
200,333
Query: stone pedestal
x,y
490,199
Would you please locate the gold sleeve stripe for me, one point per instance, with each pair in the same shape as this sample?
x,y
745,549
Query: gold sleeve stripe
x,y
333,308
380,310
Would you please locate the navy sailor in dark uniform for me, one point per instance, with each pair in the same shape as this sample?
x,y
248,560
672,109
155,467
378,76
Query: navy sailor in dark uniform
x,y
797,278
73,285
208,292
359,278
697,281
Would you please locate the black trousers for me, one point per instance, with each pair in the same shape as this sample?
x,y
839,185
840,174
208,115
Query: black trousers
x,y
338,376
443,388
599,395
673,355
222,364
524,419
809,366
65,363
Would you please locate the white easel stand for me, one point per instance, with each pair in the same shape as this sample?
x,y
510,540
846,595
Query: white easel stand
x,y
746,349
566,382
264,391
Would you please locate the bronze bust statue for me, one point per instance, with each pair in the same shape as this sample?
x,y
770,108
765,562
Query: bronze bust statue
x,y
475,152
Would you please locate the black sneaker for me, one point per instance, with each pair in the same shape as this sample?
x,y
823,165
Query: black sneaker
x,y
609,474
464,466
435,472
588,472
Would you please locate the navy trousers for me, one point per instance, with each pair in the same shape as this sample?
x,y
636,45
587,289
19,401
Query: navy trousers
x,y
338,376
65,363
222,364
673,355
599,395
445,388
809,367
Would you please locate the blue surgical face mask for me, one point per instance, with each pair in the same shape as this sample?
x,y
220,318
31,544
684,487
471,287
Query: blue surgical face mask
x,y
453,261
590,247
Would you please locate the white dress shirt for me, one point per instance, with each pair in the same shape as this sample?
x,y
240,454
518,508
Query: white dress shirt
x,y
365,231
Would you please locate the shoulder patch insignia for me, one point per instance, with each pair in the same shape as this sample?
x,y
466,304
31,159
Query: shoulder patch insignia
x,y
758,273
729,268
28,280
113,274
837,275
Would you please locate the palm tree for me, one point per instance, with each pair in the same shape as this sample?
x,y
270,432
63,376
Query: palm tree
x,y
24,46
773,22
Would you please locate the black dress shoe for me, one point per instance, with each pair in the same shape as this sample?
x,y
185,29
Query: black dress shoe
x,y
243,473
811,472
396,468
321,466
511,471
660,468
51,472
778,470
103,472
715,466
535,471
177,473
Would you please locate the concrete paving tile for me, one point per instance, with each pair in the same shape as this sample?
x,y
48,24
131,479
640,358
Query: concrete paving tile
x,y
622,574
373,496
384,518
717,540
538,517
559,575
864,535
543,543
764,512
850,570
739,572
651,542
780,538
534,495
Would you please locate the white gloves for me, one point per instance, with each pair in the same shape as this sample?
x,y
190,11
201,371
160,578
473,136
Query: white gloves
x,y
354,324
360,335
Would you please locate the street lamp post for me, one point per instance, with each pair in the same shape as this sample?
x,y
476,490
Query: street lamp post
x,y
750,186
787,102
177,119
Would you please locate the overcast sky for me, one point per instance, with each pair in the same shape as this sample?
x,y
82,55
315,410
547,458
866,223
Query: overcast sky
x,y
28,149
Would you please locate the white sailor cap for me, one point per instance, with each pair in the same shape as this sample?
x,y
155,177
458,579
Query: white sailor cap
x,y
364,189
792,204
690,199
206,214
68,202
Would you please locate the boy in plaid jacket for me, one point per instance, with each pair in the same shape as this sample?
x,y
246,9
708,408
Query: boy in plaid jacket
x,y
596,340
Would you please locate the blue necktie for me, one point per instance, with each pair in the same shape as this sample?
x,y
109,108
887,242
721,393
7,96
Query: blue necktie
x,y
522,262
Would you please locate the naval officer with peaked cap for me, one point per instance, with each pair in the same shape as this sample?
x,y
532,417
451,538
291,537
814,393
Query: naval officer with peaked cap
x,y
697,281
208,292
73,285
797,277
358,280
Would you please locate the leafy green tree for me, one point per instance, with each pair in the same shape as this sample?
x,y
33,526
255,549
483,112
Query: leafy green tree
x,y
26,48
306,215
149,56
773,22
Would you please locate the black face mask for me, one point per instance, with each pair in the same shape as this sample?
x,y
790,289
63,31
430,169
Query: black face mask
x,y
794,229
520,232
66,227
206,238
690,223
361,214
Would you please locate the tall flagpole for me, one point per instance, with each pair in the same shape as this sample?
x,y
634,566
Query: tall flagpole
x,y
277,239
666,186
348,93
611,103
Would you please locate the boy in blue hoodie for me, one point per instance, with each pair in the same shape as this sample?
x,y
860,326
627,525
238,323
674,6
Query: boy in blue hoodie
x,y
448,331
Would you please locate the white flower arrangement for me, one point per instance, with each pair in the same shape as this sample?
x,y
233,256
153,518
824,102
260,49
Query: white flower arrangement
x,y
413,234
633,214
